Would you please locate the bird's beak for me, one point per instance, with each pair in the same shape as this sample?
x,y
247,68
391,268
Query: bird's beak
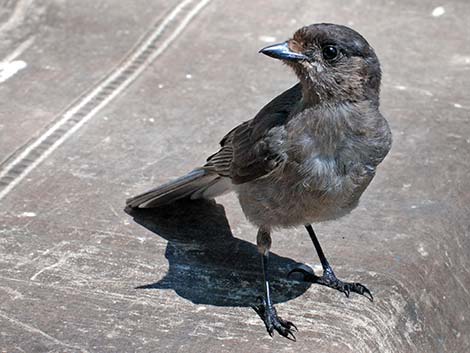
x,y
283,52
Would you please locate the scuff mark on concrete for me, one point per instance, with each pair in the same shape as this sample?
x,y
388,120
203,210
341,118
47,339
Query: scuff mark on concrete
x,y
59,263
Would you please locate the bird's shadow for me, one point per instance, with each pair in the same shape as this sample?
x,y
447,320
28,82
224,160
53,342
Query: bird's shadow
x,y
207,264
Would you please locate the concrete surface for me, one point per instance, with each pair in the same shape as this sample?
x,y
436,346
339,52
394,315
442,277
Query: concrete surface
x,y
78,274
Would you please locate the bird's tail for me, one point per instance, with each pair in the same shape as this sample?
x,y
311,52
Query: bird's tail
x,y
199,183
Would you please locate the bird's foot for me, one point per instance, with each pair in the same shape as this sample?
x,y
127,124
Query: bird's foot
x,y
329,279
273,322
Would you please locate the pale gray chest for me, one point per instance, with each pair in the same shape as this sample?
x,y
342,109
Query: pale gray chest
x,y
322,178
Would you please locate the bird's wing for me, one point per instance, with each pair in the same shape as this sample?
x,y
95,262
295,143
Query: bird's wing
x,y
251,150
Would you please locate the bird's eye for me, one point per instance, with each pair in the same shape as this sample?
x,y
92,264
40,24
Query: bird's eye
x,y
330,52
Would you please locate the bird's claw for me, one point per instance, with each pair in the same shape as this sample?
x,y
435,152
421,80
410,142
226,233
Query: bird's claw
x,y
273,322
329,280
357,288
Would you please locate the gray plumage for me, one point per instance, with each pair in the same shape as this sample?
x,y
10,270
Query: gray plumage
x,y
308,155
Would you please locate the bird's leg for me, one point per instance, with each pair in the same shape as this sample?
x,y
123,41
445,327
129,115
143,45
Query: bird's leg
x,y
266,309
329,278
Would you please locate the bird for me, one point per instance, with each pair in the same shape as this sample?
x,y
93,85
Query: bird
x,y
305,158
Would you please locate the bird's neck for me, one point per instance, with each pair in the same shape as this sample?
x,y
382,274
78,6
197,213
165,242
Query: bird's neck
x,y
315,95
310,95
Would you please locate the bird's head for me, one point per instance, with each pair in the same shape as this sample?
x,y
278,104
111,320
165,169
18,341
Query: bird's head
x,y
333,62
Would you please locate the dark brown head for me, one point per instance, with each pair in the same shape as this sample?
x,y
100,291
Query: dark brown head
x,y
333,62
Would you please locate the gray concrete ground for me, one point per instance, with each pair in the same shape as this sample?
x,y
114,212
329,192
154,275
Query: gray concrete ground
x,y
78,274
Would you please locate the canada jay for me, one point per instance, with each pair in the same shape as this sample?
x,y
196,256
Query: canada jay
x,y
306,157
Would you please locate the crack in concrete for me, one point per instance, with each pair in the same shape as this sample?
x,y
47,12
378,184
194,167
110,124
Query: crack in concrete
x,y
32,329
